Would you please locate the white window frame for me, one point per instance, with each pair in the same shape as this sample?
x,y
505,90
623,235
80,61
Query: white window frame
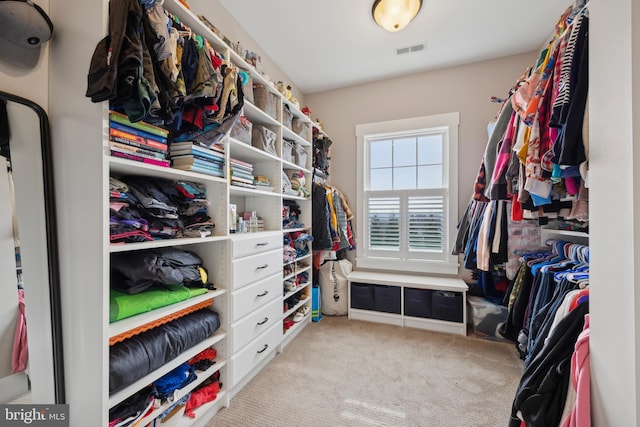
x,y
446,264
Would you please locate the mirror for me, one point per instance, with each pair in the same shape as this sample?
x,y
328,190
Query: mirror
x,y
31,364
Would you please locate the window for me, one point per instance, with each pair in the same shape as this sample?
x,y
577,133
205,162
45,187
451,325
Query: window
x,y
407,194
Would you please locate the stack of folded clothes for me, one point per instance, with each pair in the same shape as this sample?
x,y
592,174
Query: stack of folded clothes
x,y
144,208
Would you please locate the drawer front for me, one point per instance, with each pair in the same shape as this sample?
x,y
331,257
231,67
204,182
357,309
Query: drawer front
x,y
255,352
252,297
246,330
252,268
248,246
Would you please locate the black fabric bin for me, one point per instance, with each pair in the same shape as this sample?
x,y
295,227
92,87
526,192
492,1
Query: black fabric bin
x,y
417,302
362,296
447,306
387,299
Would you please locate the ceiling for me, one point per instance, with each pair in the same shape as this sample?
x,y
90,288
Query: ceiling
x,y
327,44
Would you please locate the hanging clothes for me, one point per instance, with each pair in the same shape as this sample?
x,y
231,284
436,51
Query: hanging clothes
x,y
20,353
579,405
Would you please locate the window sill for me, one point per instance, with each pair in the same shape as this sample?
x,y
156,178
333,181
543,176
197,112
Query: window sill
x,y
413,266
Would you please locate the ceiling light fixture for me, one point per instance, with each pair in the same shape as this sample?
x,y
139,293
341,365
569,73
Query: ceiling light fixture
x,y
394,15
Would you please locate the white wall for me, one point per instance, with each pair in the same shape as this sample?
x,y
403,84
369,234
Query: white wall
x,y
465,89
614,73
33,84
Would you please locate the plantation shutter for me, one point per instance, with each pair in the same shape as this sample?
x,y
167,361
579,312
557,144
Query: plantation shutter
x,y
425,220
384,223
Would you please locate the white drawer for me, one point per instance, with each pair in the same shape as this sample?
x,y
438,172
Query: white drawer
x,y
254,296
255,352
242,246
252,268
244,331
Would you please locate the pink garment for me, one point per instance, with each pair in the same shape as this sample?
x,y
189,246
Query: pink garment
x,y
504,155
580,415
20,353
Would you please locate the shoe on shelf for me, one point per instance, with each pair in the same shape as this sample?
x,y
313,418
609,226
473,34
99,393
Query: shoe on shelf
x,y
304,310
298,317
287,323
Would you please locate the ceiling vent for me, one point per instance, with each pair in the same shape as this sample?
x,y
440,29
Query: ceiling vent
x,y
410,49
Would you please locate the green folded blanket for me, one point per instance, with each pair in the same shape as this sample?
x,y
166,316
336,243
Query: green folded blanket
x,y
122,305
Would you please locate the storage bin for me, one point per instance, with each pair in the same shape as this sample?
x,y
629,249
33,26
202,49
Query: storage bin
x,y
447,306
264,139
300,127
288,149
287,116
265,100
242,130
362,296
301,156
417,302
486,318
387,299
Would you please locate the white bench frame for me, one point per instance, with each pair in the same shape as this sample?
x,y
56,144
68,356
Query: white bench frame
x,y
414,282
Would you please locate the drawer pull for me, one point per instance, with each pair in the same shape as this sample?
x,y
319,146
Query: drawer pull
x,y
262,294
261,267
266,346
262,244
266,319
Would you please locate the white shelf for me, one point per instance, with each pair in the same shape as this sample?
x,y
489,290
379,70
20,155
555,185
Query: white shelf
x,y
234,190
163,243
248,153
297,289
303,269
240,62
121,395
124,325
291,333
201,411
180,393
257,116
293,230
296,111
289,134
302,258
131,167
290,165
289,197
296,307
547,234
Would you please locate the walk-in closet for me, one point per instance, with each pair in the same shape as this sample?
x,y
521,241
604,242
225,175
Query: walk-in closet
x,y
240,213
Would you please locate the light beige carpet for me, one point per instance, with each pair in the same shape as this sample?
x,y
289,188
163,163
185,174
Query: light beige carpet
x,y
341,372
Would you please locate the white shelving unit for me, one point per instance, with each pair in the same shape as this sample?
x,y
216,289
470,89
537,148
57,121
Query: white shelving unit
x,y
302,292
83,132
213,252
